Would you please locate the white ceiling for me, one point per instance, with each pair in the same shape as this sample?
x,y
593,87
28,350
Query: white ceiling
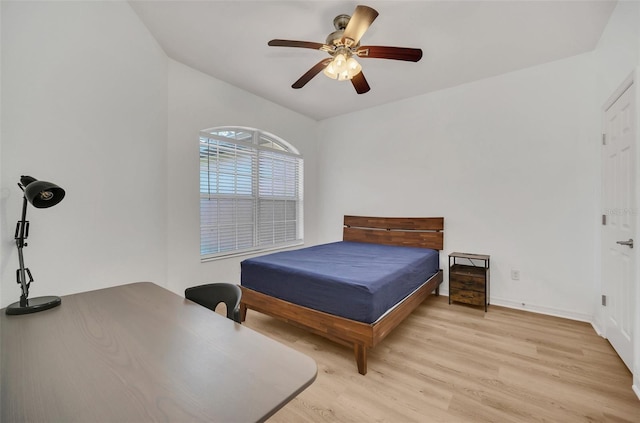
x,y
462,41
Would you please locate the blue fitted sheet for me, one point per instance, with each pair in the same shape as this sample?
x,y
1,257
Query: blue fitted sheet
x,y
355,280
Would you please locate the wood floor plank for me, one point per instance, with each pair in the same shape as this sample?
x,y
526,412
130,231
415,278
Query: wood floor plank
x,y
454,363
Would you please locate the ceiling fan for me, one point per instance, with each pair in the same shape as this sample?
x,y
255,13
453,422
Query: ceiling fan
x,y
343,45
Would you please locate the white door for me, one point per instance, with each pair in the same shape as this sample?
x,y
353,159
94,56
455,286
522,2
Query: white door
x,y
618,229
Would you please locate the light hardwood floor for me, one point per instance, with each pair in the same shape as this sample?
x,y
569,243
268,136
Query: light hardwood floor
x,y
454,363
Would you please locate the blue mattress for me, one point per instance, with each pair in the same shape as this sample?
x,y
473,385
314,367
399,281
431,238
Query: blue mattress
x,y
355,280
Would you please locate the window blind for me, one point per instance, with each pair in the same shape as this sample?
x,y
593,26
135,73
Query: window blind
x,y
250,192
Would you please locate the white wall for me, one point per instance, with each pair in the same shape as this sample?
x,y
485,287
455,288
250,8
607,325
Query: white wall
x,y
508,161
196,102
84,105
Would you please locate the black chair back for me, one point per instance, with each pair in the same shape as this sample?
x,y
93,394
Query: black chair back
x,y
210,295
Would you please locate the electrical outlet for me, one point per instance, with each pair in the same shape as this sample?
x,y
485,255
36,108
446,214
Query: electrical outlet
x,y
515,274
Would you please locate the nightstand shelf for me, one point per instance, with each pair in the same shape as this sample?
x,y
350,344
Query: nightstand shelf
x,y
468,279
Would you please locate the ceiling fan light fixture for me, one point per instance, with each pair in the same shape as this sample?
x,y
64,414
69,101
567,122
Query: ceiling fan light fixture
x,y
341,68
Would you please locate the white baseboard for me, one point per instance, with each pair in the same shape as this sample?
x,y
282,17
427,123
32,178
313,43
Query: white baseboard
x,y
581,317
598,330
636,389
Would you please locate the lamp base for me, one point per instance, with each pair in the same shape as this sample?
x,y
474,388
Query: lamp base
x,y
34,305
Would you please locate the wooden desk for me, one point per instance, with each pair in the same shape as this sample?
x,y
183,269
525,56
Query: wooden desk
x,y
137,353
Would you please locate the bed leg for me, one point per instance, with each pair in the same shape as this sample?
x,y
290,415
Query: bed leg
x,y
438,291
243,312
361,358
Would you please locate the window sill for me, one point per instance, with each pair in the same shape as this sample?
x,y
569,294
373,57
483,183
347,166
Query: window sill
x,y
232,254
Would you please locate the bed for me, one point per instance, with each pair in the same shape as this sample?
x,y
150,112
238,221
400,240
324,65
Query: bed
x,y
354,292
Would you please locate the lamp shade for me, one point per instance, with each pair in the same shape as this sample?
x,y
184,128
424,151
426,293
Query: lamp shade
x,y
41,194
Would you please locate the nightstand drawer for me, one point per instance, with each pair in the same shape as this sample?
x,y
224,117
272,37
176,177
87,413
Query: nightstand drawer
x,y
468,297
470,271
472,283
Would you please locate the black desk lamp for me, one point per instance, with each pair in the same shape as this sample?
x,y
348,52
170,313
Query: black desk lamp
x,y
40,194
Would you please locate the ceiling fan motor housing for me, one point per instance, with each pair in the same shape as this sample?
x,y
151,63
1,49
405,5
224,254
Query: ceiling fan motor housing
x,y
336,40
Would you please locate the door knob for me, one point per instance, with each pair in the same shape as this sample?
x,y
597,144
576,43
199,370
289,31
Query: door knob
x,y
627,243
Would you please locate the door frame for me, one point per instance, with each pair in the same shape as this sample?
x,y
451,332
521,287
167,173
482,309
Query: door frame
x,y
631,82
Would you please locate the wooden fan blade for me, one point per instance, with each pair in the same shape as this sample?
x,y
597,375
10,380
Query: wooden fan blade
x,y
362,18
395,53
311,73
292,43
360,83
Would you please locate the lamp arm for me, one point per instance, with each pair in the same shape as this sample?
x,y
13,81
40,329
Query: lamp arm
x,y
22,232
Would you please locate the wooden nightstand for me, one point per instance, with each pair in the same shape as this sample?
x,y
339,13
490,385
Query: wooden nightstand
x,y
468,280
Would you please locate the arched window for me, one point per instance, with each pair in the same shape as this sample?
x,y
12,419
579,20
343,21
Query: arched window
x,y
250,192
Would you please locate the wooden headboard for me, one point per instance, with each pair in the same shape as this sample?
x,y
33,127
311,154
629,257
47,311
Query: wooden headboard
x,y
424,232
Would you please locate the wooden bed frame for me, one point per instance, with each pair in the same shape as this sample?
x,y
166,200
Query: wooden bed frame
x,y
425,232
